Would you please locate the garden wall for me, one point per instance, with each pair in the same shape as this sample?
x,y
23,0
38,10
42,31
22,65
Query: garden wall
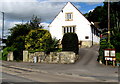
x,y
53,57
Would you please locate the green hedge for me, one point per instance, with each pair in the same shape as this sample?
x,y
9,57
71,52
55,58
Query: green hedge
x,y
70,42
118,57
104,45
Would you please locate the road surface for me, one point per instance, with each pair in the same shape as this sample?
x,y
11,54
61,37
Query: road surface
x,y
85,69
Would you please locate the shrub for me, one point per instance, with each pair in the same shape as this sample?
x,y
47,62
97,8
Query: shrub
x,y
104,45
118,57
38,40
6,51
70,42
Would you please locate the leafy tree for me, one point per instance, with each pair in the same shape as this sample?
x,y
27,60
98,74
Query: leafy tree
x,y
17,39
96,15
35,23
18,33
100,14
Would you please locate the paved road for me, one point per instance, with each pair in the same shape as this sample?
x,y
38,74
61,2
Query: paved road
x,y
26,76
13,78
87,66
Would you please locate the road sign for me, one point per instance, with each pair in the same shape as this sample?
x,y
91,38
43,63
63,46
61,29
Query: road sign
x,y
110,55
107,53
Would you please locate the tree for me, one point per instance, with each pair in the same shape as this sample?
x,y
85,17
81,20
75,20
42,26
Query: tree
x,y
100,14
18,33
17,39
70,42
35,23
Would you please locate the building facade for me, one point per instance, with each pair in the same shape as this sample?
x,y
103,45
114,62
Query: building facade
x,y
70,19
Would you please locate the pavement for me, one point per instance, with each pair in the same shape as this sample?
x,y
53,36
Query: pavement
x,y
87,66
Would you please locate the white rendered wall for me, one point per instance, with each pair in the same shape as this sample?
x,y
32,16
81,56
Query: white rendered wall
x,y
83,27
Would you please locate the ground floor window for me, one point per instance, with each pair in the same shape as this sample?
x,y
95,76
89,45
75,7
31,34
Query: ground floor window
x,y
69,29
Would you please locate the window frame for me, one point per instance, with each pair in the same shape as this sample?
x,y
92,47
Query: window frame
x,y
72,29
66,16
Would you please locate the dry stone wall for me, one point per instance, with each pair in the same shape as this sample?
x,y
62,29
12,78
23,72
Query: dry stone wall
x,y
53,57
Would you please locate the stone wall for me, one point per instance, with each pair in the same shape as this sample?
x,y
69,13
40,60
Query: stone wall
x,y
10,56
53,57
87,44
25,56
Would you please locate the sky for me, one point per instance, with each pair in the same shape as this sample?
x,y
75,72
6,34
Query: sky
x,y
18,11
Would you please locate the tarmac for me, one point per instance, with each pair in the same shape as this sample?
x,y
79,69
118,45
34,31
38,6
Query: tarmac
x,y
86,66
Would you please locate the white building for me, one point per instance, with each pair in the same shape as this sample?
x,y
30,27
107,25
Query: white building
x,y
70,19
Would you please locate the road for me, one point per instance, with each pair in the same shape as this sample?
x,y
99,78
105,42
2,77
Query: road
x,y
86,68
13,78
34,76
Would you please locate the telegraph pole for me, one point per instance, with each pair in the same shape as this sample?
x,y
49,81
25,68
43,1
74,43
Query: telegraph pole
x,y
108,21
3,26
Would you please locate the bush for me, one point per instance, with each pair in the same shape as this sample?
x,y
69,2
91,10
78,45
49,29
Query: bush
x,y
70,42
115,40
104,45
38,40
6,51
118,57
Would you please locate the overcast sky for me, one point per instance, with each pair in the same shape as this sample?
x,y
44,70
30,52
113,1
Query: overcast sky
x,y
17,11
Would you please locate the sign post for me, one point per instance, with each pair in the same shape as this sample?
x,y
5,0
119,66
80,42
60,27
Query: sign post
x,y
110,56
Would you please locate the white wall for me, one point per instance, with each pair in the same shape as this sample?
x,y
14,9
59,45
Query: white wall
x,y
83,27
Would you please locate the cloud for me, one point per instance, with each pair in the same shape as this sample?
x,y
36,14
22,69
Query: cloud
x,y
25,10
18,10
8,25
91,10
76,0
45,25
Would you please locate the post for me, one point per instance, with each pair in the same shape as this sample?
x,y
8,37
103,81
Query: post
x,y
2,26
113,63
108,21
25,56
106,62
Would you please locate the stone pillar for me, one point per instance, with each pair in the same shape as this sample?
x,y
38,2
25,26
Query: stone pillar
x,y
10,56
25,56
50,58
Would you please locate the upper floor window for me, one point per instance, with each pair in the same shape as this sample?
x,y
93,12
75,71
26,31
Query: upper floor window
x,y
69,16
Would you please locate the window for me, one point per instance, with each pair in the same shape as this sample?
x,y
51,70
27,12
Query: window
x,y
69,29
69,16
86,37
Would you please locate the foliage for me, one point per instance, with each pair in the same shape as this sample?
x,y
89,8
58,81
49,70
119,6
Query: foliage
x,y
115,40
17,39
70,42
100,14
54,46
118,57
38,40
18,33
35,23
6,51
0,55
104,45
